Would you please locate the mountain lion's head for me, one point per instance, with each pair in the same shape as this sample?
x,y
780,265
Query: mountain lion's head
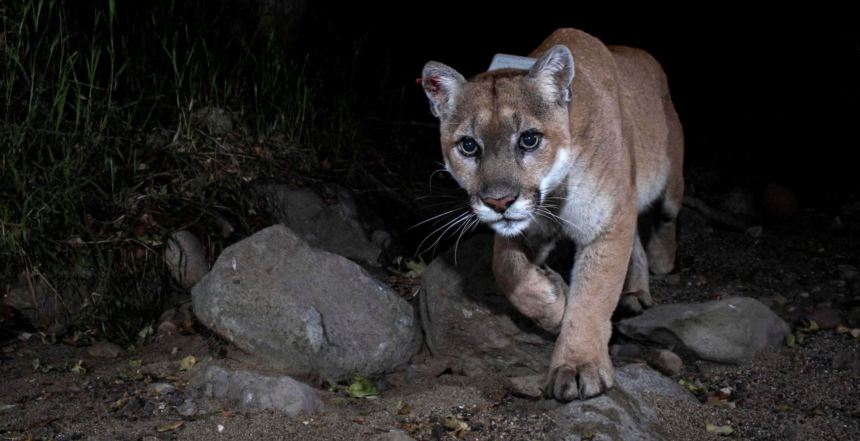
x,y
505,135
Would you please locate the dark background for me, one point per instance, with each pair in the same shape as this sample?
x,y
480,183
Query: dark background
x,y
763,97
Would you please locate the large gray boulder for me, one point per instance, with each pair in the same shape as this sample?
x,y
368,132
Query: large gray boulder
x,y
465,315
256,391
306,310
731,330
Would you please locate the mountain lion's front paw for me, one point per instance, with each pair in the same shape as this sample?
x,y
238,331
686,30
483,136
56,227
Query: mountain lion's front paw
x,y
581,378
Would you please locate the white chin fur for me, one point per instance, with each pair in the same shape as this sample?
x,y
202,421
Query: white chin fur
x,y
509,228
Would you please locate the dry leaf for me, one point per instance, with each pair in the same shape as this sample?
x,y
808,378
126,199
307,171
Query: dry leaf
x,y
187,363
170,426
41,423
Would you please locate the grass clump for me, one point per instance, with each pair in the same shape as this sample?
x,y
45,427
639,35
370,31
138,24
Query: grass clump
x,y
122,122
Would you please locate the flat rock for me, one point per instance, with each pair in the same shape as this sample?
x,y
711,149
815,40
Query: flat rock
x,y
255,391
638,378
394,435
186,258
622,413
307,311
105,349
464,314
616,415
731,330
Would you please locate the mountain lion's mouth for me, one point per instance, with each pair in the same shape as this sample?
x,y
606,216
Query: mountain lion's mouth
x,y
509,227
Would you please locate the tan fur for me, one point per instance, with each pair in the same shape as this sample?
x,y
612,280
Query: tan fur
x,y
610,152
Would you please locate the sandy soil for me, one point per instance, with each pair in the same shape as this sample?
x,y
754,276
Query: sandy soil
x,y
793,393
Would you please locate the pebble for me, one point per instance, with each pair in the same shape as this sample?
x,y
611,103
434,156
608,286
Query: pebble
x,y
625,350
665,361
188,408
529,386
825,317
162,388
105,349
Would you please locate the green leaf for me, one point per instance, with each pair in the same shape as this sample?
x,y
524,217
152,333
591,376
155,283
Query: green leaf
x,y
718,430
79,368
187,363
363,388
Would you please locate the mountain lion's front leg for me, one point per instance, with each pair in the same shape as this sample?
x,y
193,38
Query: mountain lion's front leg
x,y
538,292
580,366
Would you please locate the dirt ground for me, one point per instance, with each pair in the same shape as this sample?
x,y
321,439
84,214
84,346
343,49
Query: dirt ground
x,y
807,392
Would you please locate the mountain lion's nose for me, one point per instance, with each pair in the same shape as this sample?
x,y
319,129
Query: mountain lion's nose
x,y
500,205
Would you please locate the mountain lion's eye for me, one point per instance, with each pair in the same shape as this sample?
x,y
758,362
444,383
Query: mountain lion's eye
x,y
468,147
530,140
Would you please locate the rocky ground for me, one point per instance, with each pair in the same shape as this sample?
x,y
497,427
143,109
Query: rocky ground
x,y
807,387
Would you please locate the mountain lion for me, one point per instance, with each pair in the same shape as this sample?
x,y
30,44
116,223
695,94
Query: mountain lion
x,y
575,147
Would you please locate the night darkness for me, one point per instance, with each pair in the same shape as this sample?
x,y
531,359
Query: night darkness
x,y
258,185
762,98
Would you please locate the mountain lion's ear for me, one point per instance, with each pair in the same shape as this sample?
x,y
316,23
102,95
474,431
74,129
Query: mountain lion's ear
x,y
553,72
442,85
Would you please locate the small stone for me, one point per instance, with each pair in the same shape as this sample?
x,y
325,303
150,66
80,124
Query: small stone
x,y
105,349
471,367
394,435
162,388
780,300
848,271
673,279
528,386
188,408
166,328
845,361
778,201
825,317
382,239
665,361
788,433
218,121
625,350
740,203
755,231
433,367
56,328
186,258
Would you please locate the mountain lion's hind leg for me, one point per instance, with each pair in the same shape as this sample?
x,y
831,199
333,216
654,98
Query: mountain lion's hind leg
x,y
535,290
636,296
662,245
